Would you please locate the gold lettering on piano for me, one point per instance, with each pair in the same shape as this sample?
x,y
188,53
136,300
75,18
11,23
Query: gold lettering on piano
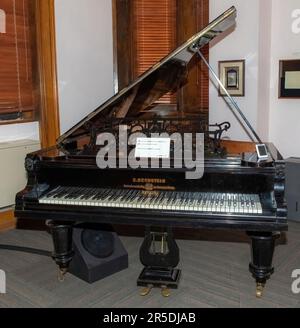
x,y
149,187
150,193
148,180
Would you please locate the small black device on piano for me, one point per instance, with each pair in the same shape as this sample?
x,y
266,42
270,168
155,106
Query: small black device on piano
x,y
66,186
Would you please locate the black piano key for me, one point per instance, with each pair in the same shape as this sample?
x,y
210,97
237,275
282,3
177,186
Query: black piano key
x,y
115,195
127,196
84,193
54,191
96,193
132,196
89,193
55,194
76,192
110,196
62,193
101,194
70,192
65,193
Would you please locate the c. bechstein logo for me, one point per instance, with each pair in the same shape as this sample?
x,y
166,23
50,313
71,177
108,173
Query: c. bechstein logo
x,y
2,282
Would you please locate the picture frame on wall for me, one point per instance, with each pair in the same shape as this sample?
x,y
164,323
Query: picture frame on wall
x,y
232,75
289,79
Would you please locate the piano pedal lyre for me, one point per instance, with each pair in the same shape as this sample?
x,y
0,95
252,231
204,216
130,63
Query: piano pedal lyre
x,y
259,290
159,254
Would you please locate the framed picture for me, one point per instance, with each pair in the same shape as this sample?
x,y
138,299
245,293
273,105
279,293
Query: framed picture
x,y
232,75
289,79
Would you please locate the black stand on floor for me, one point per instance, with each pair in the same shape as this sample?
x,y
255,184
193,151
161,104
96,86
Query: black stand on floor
x,y
262,249
159,254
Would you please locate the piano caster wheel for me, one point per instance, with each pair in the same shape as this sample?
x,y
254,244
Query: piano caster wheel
x,y
62,274
146,290
259,290
165,291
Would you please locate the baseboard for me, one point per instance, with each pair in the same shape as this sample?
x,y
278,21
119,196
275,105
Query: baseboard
x,y
7,220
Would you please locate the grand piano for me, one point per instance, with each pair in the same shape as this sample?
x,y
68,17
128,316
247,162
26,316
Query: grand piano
x,y
68,184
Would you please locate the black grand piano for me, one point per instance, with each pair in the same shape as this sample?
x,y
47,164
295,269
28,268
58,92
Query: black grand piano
x,y
67,185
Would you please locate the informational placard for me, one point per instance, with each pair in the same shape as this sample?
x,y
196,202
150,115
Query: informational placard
x,y
153,147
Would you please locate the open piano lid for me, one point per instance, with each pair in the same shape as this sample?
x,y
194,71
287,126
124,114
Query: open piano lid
x,y
168,75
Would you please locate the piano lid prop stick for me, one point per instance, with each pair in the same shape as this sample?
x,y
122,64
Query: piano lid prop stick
x,y
233,102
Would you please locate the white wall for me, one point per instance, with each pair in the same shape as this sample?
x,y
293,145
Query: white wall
x,y
242,43
85,57
264,67
263,36
284,113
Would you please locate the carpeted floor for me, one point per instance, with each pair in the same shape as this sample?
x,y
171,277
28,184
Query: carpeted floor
x,y
214,274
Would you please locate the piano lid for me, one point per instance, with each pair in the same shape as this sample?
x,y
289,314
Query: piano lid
x,y
168,75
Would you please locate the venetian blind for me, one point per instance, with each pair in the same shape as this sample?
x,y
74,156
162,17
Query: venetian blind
x,y
16,73
154,35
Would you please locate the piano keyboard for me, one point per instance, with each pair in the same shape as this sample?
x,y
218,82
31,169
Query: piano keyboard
x,y
161,200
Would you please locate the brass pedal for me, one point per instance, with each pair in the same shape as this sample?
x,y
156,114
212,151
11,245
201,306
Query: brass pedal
x,y
165,291
259,290
61,274
146,290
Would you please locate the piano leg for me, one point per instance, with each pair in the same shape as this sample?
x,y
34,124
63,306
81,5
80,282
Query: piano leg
x,y
63,249
159,254
262,249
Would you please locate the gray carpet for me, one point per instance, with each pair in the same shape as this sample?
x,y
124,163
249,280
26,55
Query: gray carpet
x,y
214,274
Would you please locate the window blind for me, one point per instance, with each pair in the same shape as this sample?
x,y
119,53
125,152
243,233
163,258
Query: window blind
x,y
154,35
17,91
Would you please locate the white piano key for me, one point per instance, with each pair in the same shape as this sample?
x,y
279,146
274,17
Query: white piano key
x,y
181,201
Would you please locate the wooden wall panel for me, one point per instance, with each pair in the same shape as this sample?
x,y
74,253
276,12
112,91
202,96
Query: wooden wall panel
x,y
123,43
238,147
192,17
45,34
